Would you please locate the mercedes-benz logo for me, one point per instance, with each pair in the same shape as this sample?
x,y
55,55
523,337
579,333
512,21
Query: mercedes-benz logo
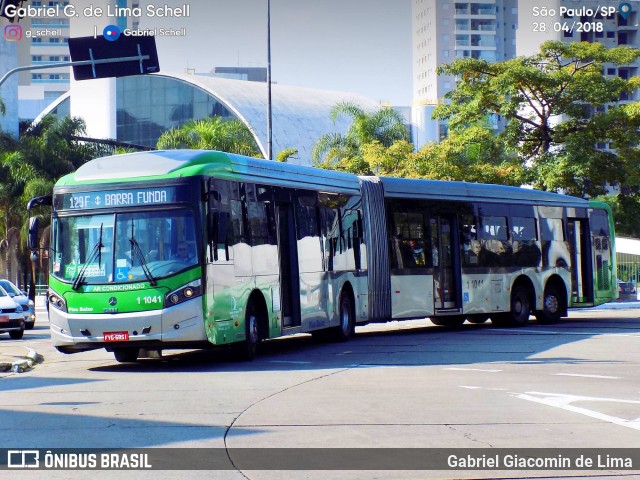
x,y
113,301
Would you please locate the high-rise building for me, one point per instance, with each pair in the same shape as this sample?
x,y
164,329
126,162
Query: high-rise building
x,y
444,30
39,88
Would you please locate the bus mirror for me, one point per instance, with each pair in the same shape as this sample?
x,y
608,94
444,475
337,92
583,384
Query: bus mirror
x,y
32,238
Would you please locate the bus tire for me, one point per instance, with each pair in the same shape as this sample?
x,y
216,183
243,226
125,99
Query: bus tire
x,y
126,355
347,326
552,306
520,308
454,321
248,349
478,319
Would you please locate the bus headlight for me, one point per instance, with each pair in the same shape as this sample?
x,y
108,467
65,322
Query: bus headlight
x,y
57,301
184,293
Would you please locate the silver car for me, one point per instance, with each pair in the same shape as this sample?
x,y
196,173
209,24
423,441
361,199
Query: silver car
x,y
11,317
18,296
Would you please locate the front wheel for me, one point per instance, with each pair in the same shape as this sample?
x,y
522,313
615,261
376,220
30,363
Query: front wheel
x,y
126,355
347,325
248,350
16,334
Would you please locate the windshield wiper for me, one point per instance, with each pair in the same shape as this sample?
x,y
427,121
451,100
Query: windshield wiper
x,y
96,252
137,252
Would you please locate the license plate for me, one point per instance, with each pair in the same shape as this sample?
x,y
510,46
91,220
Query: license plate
x,y
4,319
116,336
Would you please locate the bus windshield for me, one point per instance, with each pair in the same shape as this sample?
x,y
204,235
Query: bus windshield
x,y
122,247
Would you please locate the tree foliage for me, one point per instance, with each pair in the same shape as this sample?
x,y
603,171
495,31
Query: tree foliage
x,y
30,165
213,133
335,150
559,111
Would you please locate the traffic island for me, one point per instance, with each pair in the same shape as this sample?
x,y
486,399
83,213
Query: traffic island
x,y
18,359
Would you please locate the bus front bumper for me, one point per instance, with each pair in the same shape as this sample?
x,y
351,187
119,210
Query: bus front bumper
x,y
170,327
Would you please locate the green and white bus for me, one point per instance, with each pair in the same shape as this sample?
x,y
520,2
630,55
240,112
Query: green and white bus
x,y
191,249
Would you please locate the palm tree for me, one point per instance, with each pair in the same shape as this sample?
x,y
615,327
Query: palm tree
x,y
213,133
385,126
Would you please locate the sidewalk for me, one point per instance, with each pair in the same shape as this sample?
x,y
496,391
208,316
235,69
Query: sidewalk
x,y
18,357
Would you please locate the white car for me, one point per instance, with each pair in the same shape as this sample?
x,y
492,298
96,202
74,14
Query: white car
x,y
11,316
28,307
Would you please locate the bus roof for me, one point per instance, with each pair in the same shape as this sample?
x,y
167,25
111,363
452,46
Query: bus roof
x,y
476,192
159,164
163,164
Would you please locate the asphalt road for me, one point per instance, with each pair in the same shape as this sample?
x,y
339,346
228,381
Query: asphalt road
x,y
404,385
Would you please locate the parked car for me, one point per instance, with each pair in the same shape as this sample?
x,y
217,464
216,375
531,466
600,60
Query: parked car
x,y
625,288
20,297
11,317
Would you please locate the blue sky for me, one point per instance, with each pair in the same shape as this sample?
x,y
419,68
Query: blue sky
x,y
362,46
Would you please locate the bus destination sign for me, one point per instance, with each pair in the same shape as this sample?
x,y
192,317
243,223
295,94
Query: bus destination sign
x,y
118,198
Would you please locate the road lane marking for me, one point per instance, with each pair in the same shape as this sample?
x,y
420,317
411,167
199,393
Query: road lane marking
x,y
563,401
585,375
562,332
472,369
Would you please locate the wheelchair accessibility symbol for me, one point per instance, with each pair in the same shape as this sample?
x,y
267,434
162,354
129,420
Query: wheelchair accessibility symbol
x,y
121,274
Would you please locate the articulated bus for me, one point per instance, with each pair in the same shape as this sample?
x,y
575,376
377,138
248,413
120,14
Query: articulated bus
x,y
191,249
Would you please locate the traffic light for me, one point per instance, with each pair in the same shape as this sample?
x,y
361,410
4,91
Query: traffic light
x,y
13,5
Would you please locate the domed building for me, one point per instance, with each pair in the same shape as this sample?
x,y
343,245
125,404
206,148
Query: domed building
x,y
139,109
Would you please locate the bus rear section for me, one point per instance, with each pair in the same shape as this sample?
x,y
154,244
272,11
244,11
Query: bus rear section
x,y
458,251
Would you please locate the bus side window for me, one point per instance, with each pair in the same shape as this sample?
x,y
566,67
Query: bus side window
x,y
526,252
495,252
554,251
469,240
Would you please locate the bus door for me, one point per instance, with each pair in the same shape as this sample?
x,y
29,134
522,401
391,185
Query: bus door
x,y
446,264
581,269
289,271
602,256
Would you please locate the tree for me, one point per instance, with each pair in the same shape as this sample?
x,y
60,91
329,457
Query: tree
x,y
213,133
554,104
472,155
385,126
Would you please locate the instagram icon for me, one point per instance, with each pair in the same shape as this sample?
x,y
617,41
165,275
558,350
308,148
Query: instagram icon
x,y
13,33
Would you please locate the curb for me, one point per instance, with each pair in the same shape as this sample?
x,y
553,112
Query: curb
x,y
21,363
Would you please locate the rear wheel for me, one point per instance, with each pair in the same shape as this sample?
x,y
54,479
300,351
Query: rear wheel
x,y
552,306
519,312
16,334
126,355
520,307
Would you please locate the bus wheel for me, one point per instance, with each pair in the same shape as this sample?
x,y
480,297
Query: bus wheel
x,y
126,355
347,325
248,350
478,319
520,307
452,321
551,306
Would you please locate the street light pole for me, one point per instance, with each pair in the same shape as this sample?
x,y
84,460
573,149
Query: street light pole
x,y
269,128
